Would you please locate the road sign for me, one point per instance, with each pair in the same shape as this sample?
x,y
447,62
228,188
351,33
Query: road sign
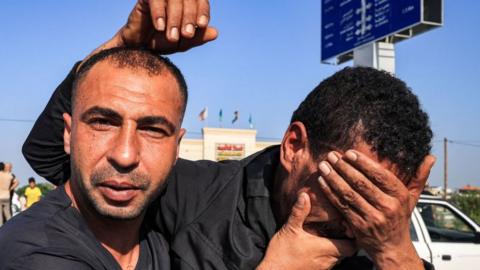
x,y
348,24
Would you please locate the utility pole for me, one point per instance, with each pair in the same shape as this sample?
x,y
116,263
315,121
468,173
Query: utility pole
x,y
445,168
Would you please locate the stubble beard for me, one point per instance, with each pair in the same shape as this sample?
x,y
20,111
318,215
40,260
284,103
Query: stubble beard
x,y
101,206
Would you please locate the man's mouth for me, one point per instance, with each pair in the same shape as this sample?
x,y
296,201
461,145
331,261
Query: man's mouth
x,y
117,191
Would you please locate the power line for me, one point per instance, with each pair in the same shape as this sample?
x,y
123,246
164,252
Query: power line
x,y
468,141
15,120
465,144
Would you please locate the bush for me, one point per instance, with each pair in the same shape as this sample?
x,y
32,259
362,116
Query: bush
x,y
44,187
469,203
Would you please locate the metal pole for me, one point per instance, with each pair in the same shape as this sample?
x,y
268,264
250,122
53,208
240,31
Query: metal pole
x,y
445,168
379,55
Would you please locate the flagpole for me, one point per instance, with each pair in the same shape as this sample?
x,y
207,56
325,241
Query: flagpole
x,y
236,116
203,116
220,118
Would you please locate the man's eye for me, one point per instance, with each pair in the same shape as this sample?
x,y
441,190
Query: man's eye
x,y
154,131
100,123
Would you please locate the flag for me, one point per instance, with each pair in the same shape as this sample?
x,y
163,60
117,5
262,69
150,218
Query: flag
x,y
203,114
250,121
235,117
220,116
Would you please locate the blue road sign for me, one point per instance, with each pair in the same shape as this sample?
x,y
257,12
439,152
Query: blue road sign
x,y
347,24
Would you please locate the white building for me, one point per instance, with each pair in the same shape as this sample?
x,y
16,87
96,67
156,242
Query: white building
x,y
223,143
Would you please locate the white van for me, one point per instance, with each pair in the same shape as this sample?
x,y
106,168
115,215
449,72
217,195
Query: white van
x,y
445,236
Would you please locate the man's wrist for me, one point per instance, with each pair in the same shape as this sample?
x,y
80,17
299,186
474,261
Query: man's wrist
x,y
399,258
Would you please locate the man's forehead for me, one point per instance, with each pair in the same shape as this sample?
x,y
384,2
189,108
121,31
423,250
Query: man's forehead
x,y
108,85
110,72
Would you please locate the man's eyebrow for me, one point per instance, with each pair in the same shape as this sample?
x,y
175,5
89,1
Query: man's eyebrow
x,y
105,112
157,120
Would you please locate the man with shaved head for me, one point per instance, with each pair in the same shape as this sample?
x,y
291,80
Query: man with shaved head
x,y
111,183
127,106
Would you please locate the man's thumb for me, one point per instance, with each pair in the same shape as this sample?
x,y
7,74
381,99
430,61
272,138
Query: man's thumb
x,y
300,211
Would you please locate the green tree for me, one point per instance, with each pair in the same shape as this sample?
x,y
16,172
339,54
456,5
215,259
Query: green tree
x,y
44,187
469,203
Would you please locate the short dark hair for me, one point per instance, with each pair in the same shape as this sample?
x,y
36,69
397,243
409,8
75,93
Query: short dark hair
x,y
136,59
371,105
31,180
2,166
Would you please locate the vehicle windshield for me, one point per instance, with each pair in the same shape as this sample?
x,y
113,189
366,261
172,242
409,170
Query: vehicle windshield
x,y
444,225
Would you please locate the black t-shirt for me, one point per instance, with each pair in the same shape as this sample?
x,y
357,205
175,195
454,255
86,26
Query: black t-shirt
x,y
53,235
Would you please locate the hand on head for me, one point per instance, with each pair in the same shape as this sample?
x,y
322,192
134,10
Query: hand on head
x,y
164,26
168,26
375,203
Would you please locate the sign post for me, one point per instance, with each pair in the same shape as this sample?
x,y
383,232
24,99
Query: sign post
x,y
379,55
366,30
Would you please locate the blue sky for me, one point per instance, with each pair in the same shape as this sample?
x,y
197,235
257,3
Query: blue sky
x,y
265,61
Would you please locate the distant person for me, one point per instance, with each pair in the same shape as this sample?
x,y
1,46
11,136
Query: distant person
x,y
32,192
15,182
23,203
6,185
16,205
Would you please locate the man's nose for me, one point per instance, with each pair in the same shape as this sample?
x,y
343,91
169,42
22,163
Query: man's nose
x,y
125,152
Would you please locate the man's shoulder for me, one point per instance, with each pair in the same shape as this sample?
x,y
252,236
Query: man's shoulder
x,y
30,230
204,173
203,180
207,172
41,212
6,176
41,260
51,232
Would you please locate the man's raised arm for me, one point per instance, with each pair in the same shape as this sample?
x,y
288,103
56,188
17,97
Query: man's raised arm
x,y
43,148
163,26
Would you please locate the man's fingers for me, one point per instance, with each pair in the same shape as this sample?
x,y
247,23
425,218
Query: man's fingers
x,y
203,13
189,18
350,216
300,211
357,180
134,32
343,197
375,172
174,19
417,184
157,13
159,43
202,36
162,45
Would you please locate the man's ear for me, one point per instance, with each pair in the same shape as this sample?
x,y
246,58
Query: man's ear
x,y
179,140
294,145
67,119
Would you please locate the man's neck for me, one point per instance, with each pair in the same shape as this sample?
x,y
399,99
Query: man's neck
x,y
279,208
120,237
